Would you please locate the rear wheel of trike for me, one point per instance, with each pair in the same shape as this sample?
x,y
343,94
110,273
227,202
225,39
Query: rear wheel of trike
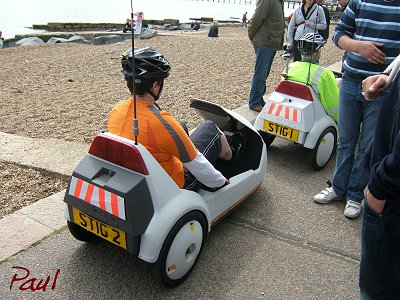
x,y
181,249
267,137
324,148
80,233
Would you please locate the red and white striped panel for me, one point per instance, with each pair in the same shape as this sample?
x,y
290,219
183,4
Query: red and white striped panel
x,y
283,111
96,196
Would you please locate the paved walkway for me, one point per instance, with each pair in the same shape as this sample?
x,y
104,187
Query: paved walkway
x,y
30,224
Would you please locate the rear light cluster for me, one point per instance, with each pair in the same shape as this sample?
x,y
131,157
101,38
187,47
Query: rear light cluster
x,y
295,89
118,152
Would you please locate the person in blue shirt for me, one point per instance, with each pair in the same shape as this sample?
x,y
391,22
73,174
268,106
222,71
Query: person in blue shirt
x,y
369,31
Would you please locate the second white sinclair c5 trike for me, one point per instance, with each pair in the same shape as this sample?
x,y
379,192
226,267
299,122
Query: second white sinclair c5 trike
x,y
295,112
120,193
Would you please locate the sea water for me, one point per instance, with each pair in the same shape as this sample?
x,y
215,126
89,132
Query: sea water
x,y
18,16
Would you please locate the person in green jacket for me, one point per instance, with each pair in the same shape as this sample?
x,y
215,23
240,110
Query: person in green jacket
x,y
266,31
321,79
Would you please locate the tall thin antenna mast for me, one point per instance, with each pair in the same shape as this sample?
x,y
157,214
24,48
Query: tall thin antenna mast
x,y
135,121
312,46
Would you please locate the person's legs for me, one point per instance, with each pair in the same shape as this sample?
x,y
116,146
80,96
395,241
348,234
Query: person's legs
x,y
350,115
296,52
226,150
379,276
207,139
264,59
359,175
371,253
212,143
138,27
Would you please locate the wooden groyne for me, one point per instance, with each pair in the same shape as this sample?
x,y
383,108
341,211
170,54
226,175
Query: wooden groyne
x,y
76,26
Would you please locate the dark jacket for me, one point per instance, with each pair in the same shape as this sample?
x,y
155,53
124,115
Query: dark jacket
x,y
267,26
325,33
384,153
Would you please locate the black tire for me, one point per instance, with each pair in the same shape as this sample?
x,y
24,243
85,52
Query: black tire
x,y
160,266
267,137
315,164
80,233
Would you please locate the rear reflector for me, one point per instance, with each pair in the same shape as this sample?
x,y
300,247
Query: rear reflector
x,y
295,89
118,152
97,196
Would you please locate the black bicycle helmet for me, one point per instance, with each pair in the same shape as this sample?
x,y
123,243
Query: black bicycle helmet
x,y
310,43
149,64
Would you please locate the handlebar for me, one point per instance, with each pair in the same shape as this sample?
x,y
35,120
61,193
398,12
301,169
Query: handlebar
x,y
286,54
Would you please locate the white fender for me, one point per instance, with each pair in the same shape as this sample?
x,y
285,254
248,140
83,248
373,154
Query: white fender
x,y
163,221
315,132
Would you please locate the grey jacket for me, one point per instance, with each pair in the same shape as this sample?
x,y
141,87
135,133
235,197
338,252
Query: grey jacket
x,y
317,19
267,26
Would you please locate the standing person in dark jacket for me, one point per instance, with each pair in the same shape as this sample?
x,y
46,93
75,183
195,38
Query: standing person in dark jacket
x,y
244,20
266,29
380,232
368,30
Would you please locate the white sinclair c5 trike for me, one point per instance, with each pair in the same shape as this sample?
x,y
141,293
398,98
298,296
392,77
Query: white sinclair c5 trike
x,y
295,112
120,193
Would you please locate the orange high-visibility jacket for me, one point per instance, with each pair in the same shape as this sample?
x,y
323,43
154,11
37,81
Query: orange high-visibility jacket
x,y
159,132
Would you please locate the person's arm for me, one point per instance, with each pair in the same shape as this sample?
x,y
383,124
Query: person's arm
x,y
384,178
321,20
190,157
345,31
291,27
375,204
374,86
205,172
367,49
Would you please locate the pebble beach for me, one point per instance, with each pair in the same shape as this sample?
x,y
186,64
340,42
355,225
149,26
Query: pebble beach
x,y
66,91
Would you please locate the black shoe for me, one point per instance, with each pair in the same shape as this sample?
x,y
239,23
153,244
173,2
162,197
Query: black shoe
x,y
237,143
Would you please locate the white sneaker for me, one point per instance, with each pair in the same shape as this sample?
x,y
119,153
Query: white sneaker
x,y
327,195
352,209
